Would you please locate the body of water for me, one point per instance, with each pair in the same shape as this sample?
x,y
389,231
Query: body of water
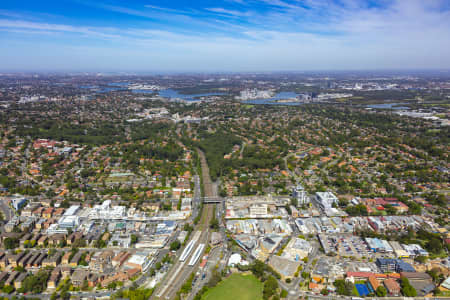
x,y
98,89
396,106
121,84
173,94
111,89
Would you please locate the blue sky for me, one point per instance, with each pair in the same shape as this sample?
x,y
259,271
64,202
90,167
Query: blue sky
x,y
226,35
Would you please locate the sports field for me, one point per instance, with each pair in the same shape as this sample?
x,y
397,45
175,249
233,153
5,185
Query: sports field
x,y
237,286
362,289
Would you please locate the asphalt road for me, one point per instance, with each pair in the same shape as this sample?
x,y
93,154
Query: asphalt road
x,y
6,210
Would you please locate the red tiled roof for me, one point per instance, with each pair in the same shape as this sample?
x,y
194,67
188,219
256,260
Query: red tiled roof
x,y
374,282
365,274
392,285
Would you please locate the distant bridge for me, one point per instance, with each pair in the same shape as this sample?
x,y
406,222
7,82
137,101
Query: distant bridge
x,y
213,200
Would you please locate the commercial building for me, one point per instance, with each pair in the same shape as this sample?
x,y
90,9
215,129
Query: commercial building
x,y
266,246
415,250
69,221
297,249
54,229
17,201
71,211
106,211
388,265
165,228
140,260
153,241
300,194
325,201
377,245
398,250
258,210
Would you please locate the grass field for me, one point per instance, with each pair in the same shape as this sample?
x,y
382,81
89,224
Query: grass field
x,y
237,286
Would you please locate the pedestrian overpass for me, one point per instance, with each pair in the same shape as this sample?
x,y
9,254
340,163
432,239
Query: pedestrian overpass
x,y
213,200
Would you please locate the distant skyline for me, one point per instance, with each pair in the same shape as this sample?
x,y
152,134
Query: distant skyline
x,y
223,36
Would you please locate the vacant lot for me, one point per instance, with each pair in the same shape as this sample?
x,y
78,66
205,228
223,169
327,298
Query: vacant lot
x,y
237,286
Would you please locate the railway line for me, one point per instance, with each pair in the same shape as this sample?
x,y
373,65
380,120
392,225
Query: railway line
x,y
190,257
190,246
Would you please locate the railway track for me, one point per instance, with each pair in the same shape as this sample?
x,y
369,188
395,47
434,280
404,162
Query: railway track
x,y
181,271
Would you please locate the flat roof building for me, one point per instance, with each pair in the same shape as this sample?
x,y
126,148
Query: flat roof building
x,y
325,200
140,261
71,211
297,249
69,221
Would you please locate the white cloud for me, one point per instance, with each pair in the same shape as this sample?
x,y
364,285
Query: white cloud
x,y
171,10
46,27
224,11
403,34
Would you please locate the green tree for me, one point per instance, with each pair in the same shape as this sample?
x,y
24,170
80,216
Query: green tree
x,y
175,245
324,291
258,268
216,277
407,289
214,224
8,289
343,287
434,245
270,287
357,210
381,291
134,239
11,243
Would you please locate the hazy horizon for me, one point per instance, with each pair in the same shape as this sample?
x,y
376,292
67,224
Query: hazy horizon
x,y
379,72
